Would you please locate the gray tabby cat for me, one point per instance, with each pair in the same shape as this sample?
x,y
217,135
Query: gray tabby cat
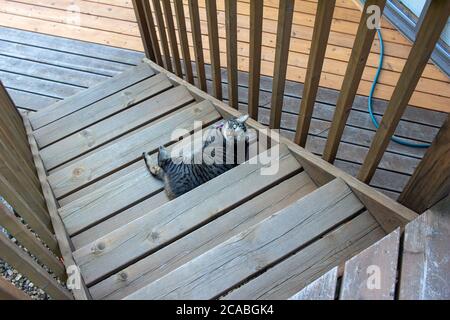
x,y
181,175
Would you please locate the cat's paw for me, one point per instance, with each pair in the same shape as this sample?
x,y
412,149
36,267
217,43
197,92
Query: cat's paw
x,y
155,170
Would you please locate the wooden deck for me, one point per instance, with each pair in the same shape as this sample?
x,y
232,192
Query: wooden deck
x,y
242,228
39,70
113,23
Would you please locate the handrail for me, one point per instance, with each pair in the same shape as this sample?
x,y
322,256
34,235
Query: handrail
x,y
432,26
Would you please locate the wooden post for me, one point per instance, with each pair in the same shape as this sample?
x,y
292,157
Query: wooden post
x,y
431,180
198,46
162,34
213,36
429,33
322,25
285,16
139,11
232,62
182,33
352,78
172,37
256,24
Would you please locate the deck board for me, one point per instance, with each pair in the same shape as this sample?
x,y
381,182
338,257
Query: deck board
x,y
115,25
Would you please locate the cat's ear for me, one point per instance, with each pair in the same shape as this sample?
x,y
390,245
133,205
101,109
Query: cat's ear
x,y
163,154
243,118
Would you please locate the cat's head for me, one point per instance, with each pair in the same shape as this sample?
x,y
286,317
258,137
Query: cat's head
x,y
234,128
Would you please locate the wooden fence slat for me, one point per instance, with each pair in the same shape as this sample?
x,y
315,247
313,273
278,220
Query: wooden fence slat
x,y
322,25
11,111
232,60
198,46
429,33
9,292
144,29
172,37
152,31
29,241
285,16
20,260
162,34
425,273
323,288
213,36
357,63
256,24
371,275
431,179
184,43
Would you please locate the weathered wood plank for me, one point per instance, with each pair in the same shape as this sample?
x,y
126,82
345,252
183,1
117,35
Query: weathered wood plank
x,y
352,78
425,270
323,288
322,25
371,275
9,292
144,30
213,36
285,16
256,24
232,55
152,30
113,127
197,40
293,274
16,257
205,238
30,101
430,30
91,95
162,34
17,229
256,248
163,225
100,110
121,193
431,180
172,37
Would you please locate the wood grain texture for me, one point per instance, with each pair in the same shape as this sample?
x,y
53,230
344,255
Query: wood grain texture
x,y
213,36
372,274
162,34
425,270
323,288
139,11
260,246
296,272
431,180
322,26
197,40
201,240
173,220
9,292
232,55
184,43
169,18
152,32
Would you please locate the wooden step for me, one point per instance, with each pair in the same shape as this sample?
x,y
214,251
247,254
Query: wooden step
x,y
180,216
102,109
90,96
115,126
323,288
262,245
203,239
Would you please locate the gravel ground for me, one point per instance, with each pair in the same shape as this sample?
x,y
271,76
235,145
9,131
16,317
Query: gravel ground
x,y
14,276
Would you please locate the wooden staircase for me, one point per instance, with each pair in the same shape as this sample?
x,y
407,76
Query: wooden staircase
x,y
243,235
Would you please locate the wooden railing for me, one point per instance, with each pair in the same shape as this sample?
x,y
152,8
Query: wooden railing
x,y
20,186
154,38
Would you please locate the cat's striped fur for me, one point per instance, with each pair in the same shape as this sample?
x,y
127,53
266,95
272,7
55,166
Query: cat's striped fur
x,y
216,157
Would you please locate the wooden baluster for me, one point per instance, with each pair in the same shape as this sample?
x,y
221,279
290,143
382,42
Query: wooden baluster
x,y
256,24
144,29
322,25
162,34
433,23
352,78
152,31
172,37
285,16
232,61
213,35
198,45
182,34
431,180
